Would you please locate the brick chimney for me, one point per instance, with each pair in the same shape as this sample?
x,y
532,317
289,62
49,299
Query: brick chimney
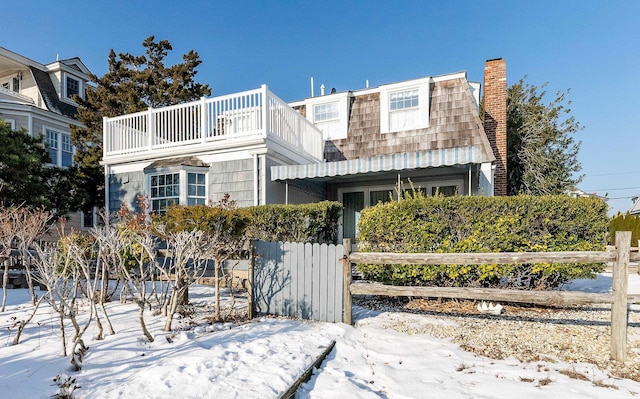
x,y
495,118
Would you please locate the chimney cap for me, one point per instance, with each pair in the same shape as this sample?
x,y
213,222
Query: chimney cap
x,y
495,59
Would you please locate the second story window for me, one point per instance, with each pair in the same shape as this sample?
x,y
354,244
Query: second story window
x,y
11,84
404,106
67,150
53,144
60,148
403,100
325,112
72,87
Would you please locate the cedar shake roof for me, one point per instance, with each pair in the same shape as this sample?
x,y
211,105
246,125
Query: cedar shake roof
x,y
181,161
50,95
453,122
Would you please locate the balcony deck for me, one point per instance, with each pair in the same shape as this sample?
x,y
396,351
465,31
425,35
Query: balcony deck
x,y
235,120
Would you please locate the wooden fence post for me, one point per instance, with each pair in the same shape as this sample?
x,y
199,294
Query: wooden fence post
x,y
619,292
346,284
251,278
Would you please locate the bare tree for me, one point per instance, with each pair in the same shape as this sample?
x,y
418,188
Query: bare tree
x,y
29,224
21,324
138,251
62,268
54,272
6,241
189,257
108,260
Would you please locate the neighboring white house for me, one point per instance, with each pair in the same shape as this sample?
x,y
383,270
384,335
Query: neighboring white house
x,y
635,205
37,97
353,147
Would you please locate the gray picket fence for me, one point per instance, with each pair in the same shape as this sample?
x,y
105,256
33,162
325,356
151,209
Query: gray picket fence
x,y
298,280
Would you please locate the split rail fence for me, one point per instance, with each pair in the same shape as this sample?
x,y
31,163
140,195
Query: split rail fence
x,y
619,298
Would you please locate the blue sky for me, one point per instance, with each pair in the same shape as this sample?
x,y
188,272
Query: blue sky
x,y
591,47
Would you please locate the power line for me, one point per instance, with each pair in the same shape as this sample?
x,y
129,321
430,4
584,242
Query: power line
x,y
611,173
611,189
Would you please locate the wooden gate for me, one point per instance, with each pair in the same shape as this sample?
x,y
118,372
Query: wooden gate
x,y
298,280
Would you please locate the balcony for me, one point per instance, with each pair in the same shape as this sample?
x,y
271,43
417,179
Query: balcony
x,y
236,120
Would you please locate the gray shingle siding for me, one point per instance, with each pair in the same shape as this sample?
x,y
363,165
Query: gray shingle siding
x,y
233,177
125,187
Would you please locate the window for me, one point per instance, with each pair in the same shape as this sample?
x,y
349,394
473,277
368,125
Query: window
x,y
10,122
448,188
165,191
447,191
67,150
11,84
196,189
325,112
60,148
52,143
72,86
403,100
404,106
89,218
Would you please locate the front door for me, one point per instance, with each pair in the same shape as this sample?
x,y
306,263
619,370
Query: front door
x,y
353,203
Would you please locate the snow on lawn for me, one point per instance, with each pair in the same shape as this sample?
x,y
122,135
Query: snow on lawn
x,y
261,359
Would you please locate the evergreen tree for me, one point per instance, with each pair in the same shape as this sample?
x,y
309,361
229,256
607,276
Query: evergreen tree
x,y
542,156
25,177
132,83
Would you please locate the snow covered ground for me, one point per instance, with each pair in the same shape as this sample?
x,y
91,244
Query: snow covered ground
x,y
261,359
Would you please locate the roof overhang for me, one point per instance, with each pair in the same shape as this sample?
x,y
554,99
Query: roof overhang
x,y
382,163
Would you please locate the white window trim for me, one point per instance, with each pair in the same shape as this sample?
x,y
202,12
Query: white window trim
x,y
412,89
337,107
206,181
183,172
59,133
343,101
11,122
422,85
66,75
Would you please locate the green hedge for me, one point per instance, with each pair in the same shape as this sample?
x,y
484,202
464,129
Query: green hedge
x,y
483,224
316,222
626,222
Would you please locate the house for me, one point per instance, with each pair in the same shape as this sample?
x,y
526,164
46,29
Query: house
x,y
635,205
38,98
355,147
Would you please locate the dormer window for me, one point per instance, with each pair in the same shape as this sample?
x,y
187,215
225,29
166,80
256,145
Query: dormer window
x,y
330,114
404,106
72,87
12,84
16,84
403,100
325,112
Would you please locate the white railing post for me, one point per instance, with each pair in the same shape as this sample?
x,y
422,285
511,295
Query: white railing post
x,y
151,131
106,142
265,110
204,116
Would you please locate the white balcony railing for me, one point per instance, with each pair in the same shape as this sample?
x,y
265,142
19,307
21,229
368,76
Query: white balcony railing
x,y
207,121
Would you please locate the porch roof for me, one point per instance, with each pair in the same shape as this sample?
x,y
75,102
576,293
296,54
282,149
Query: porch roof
x,y
381,163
